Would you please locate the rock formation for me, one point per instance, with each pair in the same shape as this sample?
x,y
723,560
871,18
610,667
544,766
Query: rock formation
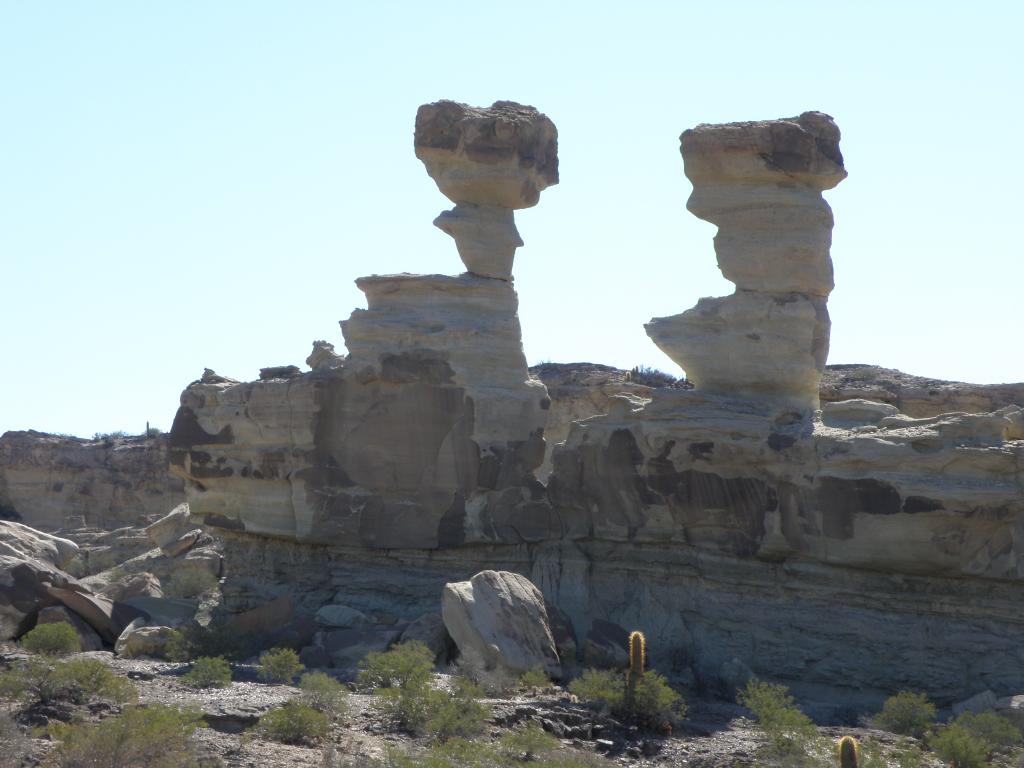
x,y
855,549
433,415
761,183
56,481
489,162
498,621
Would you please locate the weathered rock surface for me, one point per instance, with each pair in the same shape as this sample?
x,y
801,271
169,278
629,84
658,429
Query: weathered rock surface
x,y
848,555
138,641
916,396
489,162
56,481
430,630
498,619
57,614
761,183
170,527
31,579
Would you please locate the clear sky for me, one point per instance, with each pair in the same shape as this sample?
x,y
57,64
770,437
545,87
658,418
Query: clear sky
x,y
197,184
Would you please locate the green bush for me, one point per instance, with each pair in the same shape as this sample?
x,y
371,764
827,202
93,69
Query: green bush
x,y
653,699
527,744
457,714
154,736
280,665
406,663
58,639
996,733
190,582
534,678
177,647
76,681
208,672
324,694
907,713
958,747
294,723
788,732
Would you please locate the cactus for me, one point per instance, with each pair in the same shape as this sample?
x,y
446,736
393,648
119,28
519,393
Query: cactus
x,y
849,752
637,658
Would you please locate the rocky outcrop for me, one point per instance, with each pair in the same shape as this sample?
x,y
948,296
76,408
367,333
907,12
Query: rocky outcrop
x,y
433,415
916,396
489,162
56,481
849,552
761,183
498,620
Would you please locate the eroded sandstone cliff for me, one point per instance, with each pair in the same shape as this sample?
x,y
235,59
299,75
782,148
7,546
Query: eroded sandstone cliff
x,y
737,525
57,481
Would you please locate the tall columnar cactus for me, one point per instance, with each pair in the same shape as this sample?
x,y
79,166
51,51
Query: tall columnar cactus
x,y
849,752
637,658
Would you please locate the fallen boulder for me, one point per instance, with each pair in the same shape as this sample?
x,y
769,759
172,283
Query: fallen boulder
x,y
139,640
170,527
498,619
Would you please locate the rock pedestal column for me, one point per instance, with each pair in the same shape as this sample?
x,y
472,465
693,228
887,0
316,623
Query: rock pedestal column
x,y
762,184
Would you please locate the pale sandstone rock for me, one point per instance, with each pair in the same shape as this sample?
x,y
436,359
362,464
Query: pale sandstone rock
x,y
761,183
183,544
498,619
132,586
56,481
324,358
171,526
20,541
57,614
976,704
489,162
853,413
138,640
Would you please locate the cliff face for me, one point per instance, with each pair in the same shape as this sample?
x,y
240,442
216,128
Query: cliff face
x,y
851,547
51,481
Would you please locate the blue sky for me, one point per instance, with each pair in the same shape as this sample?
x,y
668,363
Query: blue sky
x,y
194,184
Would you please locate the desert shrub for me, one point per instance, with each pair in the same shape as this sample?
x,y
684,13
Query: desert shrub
x,y
494,682
606,689
208,672
996,733
534,678
190,582
58,639
601,687
155,736
650,377
15,745
406,663
177,647
456,714
788,732
324,694
527,743
280,665
907,713
76,681
958,747
294,723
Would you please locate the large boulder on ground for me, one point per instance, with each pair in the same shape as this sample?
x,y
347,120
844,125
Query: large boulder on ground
x,y
132,586
57,614
498,619
171,527
341,617
139,640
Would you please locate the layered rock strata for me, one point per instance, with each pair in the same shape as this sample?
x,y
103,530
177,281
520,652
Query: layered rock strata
x,y
761,184
56,481
849,553
433,416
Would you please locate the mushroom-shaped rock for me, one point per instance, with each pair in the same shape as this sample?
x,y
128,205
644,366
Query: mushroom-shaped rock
x,y
489,162
761,183
498,619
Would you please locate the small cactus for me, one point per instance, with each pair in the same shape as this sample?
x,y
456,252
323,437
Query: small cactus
x,y
637,659
849,752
